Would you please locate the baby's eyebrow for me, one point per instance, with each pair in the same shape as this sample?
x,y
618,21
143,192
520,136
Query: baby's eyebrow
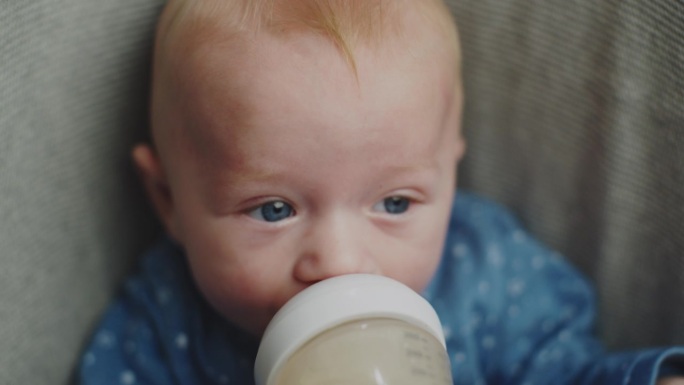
x,y
254,175
415,167
259,176
217,188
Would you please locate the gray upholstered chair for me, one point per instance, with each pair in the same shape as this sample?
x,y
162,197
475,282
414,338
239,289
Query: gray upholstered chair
x,y
574,118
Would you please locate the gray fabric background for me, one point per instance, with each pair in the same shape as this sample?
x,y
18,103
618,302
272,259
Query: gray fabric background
x,y
574,119
73,93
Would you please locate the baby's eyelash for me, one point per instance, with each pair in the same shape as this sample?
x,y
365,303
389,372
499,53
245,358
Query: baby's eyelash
x,y
272,211
394,205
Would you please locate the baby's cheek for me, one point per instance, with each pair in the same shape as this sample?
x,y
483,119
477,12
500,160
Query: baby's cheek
x,y
232,288
428,256
416,265
240,300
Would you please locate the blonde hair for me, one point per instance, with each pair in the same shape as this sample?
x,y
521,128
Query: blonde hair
x,y
345,23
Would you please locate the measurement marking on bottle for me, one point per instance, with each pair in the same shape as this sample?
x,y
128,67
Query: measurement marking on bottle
x,y
419,372
412,335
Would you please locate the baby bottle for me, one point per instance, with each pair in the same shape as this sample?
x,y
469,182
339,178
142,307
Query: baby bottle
x,y
356,329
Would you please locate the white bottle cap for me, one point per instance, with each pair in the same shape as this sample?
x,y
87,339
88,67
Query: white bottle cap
x,y
333,302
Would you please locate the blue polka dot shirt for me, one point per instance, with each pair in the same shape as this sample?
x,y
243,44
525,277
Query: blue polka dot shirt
x,y
512,311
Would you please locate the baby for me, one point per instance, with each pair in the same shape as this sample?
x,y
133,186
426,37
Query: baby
x,y
300,140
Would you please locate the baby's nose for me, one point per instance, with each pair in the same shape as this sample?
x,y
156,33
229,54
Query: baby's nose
x,y
333,249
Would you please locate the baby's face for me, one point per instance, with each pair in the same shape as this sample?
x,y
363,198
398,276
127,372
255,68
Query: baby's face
x,y
296,171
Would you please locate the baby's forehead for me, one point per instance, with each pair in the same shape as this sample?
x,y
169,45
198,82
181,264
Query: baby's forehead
x,y
200,68
188,44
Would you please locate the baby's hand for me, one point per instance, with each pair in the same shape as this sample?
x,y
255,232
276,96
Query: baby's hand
x,y
671,381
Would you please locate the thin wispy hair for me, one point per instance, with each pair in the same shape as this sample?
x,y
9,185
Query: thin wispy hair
x,y
346,23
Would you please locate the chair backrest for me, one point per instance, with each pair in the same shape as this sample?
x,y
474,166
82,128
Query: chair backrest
x,y
575,119
73,91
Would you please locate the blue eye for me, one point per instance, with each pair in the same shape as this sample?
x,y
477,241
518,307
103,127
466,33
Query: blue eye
x,y
393,205
272,211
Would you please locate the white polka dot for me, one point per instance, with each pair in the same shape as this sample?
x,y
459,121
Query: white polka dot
x,y
543,356
127,378
494,256
133,286
181,341
105,339
459,357
483,287
537,262
447,331
516,287
488,342
460,250
565,336
475,320
163,296
556,355
89,359
513,311
568,311
518,236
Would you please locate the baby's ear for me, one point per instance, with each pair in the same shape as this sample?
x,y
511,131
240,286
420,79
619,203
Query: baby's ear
x,y
460,148
156,185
